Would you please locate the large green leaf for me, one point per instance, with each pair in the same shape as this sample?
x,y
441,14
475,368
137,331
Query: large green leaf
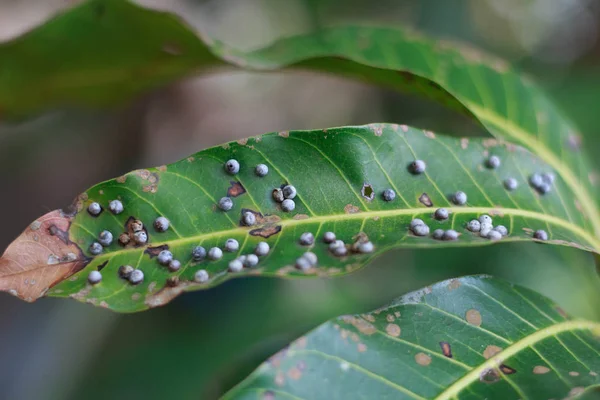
x,y
330,169
90,54
467,338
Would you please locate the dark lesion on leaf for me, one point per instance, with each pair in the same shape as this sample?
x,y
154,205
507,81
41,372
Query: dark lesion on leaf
x,y
506,370
446,349
367,191
172,281
266,231
63,235
426,200
236,189
154,251
101,266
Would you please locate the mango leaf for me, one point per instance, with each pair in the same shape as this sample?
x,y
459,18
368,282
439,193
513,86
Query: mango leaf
x,y
339,174
474,337
89,54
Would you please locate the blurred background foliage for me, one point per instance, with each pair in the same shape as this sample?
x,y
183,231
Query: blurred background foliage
x,y
203,343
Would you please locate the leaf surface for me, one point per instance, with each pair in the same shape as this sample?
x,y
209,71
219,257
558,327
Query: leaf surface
x,y
467,338
340,175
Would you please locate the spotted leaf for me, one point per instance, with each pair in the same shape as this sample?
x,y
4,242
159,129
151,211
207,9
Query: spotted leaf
x,y
468,338
339,176
156,48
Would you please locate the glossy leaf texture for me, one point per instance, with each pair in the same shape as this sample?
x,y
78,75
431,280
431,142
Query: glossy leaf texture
x,y
339,174
468,338
111,41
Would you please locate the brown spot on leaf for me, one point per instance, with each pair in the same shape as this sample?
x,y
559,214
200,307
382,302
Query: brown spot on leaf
x,y
294,373
464,143
404,128
576,391
121,179
361,347
540,369
360,324
236,189
573,373
155,251
350,209
422,359
454,284
389,318
266,231
393,330
24,268
284,134
489,375
473,317
161,168
446,349
429,134
491,351
368,317
300,216
426,200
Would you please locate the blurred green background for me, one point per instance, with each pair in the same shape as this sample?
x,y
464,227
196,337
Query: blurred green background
x,y
202,343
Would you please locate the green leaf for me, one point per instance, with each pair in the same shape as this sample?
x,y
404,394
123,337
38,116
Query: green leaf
x,y
472,337
332,170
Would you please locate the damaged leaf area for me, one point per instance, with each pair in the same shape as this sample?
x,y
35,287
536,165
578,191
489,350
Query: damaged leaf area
x,y
308,216
474,337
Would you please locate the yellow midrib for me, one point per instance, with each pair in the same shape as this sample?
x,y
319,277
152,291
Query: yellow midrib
x,y
592,241
473,376
541,150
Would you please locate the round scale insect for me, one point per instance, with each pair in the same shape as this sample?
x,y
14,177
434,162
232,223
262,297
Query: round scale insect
x,y
249,218
438,234
140,237
95,248
544,188
174,265
278,195
511,184
441,214
262,249
307,239
418,167
486,219
288,205
421,230
198,253
94,277
201,276
125,271
494,235
540,235
161,224
215,253
94,209
311,257
548,177
329,237
231,245
493,162
232,167
485,230
535,180
388,195
261,170
164,257
302,263
366,247
136,276
225,203
450,234
105,238
115,207
338,248
289,192
474,225
501,229
415,222
250,261
236,265
459,198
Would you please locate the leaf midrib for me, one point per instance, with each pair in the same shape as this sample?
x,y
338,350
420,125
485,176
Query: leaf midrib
x,y
528,341
592,241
